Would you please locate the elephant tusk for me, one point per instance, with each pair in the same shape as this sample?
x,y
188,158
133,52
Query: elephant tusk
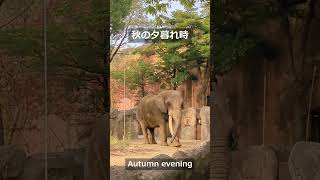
x,y
170,125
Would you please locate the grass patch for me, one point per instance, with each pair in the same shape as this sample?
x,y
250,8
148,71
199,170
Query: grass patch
x,y
115,142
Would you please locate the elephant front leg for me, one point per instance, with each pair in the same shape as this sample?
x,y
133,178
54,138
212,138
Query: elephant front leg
x,y
163,134
176,142
145,133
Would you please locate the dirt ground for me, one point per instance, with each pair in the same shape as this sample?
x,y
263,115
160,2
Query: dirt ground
x,y
136,149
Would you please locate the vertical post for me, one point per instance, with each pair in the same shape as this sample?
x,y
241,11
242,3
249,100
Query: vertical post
x,y
45,129
124,98
310,103
264,102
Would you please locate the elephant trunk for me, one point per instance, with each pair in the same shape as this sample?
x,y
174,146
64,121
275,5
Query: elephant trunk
x,y
170,125
177,125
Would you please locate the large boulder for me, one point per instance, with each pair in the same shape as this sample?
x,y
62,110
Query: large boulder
x,y
189,124
304,161
200,156
254,163
117,124
205,123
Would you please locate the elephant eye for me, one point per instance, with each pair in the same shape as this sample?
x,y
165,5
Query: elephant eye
x,y
168,104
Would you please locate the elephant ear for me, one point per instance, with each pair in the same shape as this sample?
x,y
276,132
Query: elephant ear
x,y
161,105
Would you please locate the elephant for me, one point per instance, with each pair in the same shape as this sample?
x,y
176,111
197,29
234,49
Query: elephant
x,y
154,111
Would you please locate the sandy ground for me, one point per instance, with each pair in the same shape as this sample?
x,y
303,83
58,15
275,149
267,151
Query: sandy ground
x,y
136,149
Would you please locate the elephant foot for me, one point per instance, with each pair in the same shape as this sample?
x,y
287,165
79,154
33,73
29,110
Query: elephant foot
x,y
164,144
146,142
153,142
176,143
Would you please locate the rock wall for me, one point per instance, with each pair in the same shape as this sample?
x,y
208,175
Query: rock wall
x,y
117,124
278,116
196,91
205,123
189,124
196,124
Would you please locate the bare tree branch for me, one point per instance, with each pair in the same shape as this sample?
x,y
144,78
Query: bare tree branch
x,y
75,62
296,2
122,40
85,69
120,44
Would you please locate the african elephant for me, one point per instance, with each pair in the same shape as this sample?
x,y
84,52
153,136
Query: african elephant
x,y
155,110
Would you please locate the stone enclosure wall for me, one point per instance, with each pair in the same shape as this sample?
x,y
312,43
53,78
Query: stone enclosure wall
x,y
195,124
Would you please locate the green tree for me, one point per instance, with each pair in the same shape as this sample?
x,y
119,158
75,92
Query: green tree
x,y
135,17
137,76
159,8
179,58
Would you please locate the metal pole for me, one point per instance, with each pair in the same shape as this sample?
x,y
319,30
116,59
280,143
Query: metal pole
x,y
45,91
264,103
124,105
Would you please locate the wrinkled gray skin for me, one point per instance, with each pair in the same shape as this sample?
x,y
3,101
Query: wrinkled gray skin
x,y
153,111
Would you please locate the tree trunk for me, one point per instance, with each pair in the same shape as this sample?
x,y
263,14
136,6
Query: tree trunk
x,y
174,85
143,92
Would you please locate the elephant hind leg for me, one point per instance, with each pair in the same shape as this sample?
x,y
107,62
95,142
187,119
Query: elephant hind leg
x,y
152,139
145,133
